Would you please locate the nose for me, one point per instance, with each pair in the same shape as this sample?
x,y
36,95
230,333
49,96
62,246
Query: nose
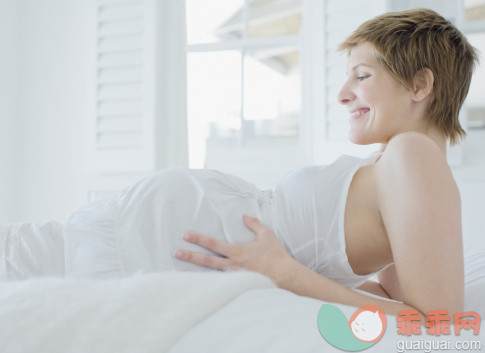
x,y
345,95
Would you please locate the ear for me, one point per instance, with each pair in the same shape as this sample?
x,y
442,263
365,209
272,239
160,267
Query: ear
x,y
422,84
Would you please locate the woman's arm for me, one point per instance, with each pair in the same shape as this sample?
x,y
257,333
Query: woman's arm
x,y
266,255
420,206
374,288
300,280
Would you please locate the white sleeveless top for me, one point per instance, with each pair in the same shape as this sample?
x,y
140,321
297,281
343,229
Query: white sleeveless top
x,y
141,227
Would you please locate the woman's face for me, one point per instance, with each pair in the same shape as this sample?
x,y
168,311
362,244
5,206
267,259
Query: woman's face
x,y
379,105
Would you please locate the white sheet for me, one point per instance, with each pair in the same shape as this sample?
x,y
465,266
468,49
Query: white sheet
x,y
143,313
279,321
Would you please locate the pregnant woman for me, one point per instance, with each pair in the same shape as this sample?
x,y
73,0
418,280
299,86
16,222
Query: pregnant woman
x,y
324,230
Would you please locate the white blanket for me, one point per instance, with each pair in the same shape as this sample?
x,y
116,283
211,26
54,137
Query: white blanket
x,y
142,313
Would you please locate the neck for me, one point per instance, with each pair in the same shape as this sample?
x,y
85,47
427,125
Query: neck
x,y
433,134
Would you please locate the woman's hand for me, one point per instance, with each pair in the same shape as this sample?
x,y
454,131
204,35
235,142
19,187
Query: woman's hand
x,y
265,254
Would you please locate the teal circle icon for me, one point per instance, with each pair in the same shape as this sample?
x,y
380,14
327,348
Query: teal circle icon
x,y
335,329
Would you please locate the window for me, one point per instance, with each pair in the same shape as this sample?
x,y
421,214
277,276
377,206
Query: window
x,y
243,77
473,25
474,10
472,16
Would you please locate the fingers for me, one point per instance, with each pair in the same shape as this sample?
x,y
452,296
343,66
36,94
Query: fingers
x,y
210,243
220,247
254,224
205,260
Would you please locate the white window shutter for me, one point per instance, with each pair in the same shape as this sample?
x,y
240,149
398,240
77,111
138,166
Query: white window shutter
x,y
124,116
130,132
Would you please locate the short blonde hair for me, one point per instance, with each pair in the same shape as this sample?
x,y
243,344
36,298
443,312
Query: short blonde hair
x,y
408,41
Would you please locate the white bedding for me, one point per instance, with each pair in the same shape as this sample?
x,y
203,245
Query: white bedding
x,y
279,321
227,312
197,312
143,313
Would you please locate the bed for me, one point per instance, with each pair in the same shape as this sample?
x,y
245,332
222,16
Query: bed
x,y
176,312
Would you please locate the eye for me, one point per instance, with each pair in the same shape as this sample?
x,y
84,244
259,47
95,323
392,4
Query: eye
x,y
362,78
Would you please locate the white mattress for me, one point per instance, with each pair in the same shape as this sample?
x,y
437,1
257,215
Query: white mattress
x,y
279,321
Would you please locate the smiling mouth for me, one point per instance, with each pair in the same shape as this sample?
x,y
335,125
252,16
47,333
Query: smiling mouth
x,y
359,113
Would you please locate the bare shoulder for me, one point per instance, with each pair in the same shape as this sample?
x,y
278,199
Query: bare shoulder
x,y
413,157
412,165
411,149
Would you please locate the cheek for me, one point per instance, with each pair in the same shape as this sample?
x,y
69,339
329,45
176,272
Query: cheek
x,y
386,109
370,95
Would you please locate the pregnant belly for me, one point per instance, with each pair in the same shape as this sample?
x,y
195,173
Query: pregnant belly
x,y
156,213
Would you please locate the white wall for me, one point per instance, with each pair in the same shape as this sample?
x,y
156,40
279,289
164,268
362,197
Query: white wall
x,y
45,163
476,95
8,110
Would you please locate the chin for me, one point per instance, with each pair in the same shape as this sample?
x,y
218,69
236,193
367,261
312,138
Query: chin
x,y
360,139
